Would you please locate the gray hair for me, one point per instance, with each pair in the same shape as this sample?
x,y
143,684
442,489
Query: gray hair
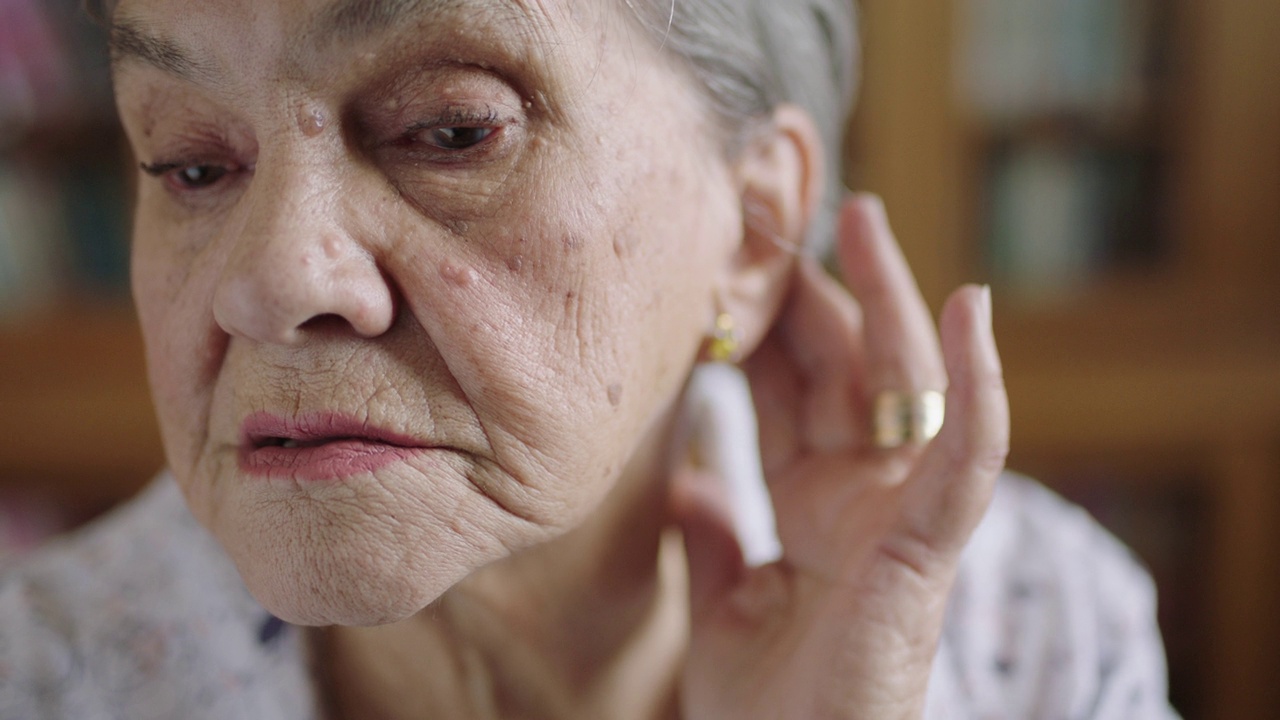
x,y
752,55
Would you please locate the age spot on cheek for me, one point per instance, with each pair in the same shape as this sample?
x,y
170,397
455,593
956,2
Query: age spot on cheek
x,y
615,394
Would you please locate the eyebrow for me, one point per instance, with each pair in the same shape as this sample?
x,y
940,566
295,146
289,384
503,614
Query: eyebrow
x,y
352,19
128,41
345,20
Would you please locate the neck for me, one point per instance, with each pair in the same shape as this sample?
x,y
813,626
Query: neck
x,y
592,624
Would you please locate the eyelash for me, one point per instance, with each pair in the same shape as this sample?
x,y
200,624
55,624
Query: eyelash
x,y
172,172
488,123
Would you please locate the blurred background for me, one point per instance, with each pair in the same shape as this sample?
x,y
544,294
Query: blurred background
x,y
1110,167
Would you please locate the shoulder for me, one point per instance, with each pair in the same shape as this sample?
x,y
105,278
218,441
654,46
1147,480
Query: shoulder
x,y
140,615
1051,616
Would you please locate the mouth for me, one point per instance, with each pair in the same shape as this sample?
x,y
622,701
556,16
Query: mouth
x,y
317,447
289,443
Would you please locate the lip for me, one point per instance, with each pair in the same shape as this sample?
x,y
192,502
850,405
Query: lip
x,y
318,447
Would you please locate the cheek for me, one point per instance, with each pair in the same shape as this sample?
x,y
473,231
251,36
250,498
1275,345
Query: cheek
x,y
183,346
571,321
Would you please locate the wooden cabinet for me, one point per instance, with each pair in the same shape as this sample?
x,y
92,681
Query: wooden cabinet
x,y
1157,381
75,414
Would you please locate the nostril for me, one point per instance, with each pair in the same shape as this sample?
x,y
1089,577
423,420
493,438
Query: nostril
x,y
326,323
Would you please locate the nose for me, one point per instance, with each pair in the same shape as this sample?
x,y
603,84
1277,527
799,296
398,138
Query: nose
x,y
299,263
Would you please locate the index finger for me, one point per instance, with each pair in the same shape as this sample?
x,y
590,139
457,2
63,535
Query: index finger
x,y
900,338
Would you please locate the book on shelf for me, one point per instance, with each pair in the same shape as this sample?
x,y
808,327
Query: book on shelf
x,y
1062,213
1030,58
30,241
62,194
1061,94
62,230
1045,220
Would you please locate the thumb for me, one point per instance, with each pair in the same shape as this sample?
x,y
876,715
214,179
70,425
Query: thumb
x,y
700,506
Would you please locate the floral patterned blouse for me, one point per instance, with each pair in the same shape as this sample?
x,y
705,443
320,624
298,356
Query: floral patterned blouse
x,y
141,616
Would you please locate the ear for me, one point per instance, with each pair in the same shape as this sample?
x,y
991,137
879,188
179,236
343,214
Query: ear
x,y
780,176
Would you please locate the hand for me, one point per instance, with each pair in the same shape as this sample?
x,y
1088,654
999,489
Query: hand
x,y
847,623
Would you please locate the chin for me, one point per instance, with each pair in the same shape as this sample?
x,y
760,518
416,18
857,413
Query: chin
x,y
325,564
308,597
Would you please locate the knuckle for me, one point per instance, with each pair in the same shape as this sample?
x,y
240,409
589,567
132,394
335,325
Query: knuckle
x,y
978,453
991,460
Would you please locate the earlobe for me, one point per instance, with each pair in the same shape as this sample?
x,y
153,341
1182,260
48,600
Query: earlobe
x,y
780,173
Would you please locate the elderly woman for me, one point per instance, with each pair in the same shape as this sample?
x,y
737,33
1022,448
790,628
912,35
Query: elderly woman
x,y
456,312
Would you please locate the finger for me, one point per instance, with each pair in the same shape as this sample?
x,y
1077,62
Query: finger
x,y
701,510
817,347
902,352
948,492
824,336
775,391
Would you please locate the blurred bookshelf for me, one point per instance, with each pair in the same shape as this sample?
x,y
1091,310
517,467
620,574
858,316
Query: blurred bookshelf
x,y
75,418
1112,169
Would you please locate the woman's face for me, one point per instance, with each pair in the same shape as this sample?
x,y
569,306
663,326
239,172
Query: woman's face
x,y
420,280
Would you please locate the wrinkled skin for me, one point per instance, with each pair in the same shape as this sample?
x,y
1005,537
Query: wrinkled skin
x,y
500,304
490,237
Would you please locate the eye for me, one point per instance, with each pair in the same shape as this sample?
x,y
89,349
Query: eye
x,y
198,176
456,130
186,176
456,138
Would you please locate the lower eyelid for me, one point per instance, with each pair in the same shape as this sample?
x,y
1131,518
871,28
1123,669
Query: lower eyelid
x,y
416,148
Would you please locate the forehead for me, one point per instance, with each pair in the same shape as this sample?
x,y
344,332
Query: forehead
x,y
339,18
196,39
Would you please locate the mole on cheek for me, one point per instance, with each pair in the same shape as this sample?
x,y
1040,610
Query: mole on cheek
x,y
623,245
515,263
311,120
615,394
457,275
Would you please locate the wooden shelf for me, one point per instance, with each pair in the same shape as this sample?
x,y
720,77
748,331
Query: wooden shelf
x,y
74,407
1203,402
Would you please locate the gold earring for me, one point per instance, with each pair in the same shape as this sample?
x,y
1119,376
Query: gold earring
x,y
724,339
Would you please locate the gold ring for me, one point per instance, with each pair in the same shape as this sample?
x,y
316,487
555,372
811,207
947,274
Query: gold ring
x,y
903,418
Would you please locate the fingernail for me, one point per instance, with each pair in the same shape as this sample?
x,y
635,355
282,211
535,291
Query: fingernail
x,y
987,329
874,205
